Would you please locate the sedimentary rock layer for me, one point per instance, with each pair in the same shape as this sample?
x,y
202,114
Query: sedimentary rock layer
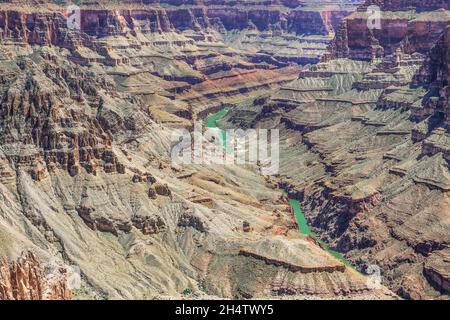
x,y
86,175
366,140
413,25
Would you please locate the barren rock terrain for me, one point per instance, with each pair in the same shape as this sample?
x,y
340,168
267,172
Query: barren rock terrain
x,y
366,143
86,175
86,179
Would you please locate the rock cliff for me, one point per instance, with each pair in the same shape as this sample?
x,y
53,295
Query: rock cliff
x,y
415,25
86,176
26,279
366,143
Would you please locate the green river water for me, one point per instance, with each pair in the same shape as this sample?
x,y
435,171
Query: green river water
x,y
304,228
211,122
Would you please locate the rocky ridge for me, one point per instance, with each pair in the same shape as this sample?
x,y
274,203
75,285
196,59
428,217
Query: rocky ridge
x,y
366,144
85,171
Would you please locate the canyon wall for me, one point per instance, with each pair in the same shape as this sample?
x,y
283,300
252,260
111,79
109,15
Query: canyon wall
x,y
408,24
102,18
366,144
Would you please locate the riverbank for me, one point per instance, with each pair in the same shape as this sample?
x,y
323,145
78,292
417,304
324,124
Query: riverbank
x,y
303,226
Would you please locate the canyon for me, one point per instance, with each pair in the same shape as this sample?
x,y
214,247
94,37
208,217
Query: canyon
x,y
366,144
86,178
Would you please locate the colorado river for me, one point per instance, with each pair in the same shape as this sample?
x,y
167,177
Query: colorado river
x,y
304,228
211,122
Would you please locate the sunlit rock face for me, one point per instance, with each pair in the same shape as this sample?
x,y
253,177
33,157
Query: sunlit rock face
x,y
366,143
86,175
414,25
26,279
